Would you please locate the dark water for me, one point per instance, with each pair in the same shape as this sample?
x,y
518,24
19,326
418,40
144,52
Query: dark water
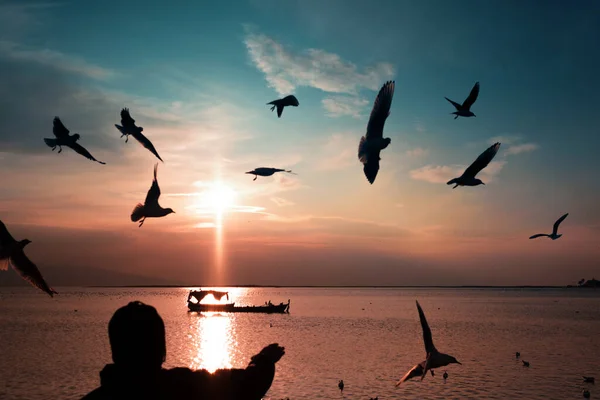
x,y
367,337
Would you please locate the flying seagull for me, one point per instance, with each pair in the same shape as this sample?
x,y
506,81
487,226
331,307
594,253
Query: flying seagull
x,y
63,138
265,171
290,100
589,379
129,128
468,177
11,253
434,359
150,208
554,235
373,142
464,109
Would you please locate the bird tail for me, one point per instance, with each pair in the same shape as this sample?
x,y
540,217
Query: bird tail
x,y
137,213
50,142
52,292
290,172
120,128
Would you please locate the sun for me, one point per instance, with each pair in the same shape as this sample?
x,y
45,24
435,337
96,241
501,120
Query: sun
x,y
220,197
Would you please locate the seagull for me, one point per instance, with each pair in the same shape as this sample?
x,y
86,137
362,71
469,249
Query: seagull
x,y
589,379
290,100
517,355
373,142
464,109
525,363
586,394
150,208
468,177
341,386
434,359
129,128
266,171
445,376
554,235
63,138
11,253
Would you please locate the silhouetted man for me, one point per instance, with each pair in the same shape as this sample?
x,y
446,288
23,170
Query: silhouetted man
x,y
137,340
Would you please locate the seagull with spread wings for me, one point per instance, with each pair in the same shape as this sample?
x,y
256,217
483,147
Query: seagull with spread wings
x,y
554,235
128,127
373,142
464,109
63,138
267,171
468,177
287,101
434,359
11,253
150,208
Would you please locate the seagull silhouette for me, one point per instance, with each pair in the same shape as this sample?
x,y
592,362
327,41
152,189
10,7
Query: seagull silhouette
x,y
129,128
468,177
63,138
464,109
150,208
11,253
287,101
586,394
589,379
341,386
370,145
525,363
266,171
554,235
434,359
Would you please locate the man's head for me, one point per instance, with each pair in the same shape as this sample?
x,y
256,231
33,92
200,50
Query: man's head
x,y
137,337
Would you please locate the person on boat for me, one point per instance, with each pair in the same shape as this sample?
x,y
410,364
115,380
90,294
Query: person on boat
x,y
137,340
270,304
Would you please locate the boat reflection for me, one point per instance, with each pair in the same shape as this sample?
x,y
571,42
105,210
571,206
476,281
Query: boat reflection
x,y
212,342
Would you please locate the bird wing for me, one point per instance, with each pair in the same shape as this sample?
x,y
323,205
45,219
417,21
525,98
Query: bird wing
x,y
146,143
557,223
380,111
29,271
154,191
482,161
538,235
290,100
126,119
79,149
279,110
427,339
59,130
455,104
5,236
371,166
472,96
417,370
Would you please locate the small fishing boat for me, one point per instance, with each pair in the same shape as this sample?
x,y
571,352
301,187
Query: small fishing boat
x,y
196,296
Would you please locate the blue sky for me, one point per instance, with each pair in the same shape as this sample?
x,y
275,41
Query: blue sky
x,y
197,77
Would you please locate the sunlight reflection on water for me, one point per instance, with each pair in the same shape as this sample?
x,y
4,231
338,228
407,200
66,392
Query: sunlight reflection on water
x,y
211,342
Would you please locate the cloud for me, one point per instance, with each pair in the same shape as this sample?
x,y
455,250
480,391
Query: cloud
x,y
443,173
521,148
504,139
286,69
54,59
418,125
417,152
282,202
338,152
337,106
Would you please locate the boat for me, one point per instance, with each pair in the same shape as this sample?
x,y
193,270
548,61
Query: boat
x,y
196,296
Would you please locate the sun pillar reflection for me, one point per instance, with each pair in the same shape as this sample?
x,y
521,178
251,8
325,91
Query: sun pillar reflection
x,y
212,342
219,251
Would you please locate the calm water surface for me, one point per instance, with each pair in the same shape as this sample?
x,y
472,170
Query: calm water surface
x,y
367,337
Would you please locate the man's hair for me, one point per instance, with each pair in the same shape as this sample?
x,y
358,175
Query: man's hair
x,y
137,336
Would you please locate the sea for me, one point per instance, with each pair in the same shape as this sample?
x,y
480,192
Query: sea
x,y
369,337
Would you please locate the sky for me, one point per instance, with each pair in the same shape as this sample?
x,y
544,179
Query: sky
x,y
197,76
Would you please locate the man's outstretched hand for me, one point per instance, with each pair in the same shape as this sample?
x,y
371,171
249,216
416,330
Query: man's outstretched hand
x,y
270,354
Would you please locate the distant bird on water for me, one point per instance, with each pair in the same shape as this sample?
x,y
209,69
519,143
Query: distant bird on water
x,y
341,386
370,145
445,376
150,208
586,394
129,128
517,355
11,253
468,177
464,109
63,138
266,171
525,363
287,101
554,235
589,379
434,359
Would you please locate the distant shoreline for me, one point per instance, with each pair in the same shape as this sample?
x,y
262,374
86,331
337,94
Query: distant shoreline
x,y
342,287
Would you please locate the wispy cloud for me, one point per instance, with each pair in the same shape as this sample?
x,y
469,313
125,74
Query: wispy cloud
x,y
280,202
521,148
338,152
54,59
285,68
419,126
338,106
417,152
443,173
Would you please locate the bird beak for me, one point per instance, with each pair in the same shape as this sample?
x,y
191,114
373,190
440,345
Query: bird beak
x,y
458,362
483,183
249,172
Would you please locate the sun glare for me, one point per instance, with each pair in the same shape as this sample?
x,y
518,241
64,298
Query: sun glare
x,y
220,197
